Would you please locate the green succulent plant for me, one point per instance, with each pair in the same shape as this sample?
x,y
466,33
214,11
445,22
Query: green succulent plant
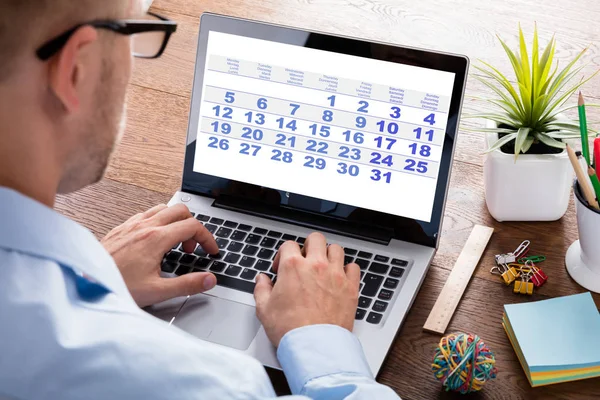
x,y
527,111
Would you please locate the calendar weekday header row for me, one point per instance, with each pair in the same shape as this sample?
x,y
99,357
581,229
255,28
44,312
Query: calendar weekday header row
x,y
328,83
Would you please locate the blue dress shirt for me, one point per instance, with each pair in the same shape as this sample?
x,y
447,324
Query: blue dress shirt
x,y
69,329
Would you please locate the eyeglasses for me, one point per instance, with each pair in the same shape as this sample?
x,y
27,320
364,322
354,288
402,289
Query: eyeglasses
x,y
149,36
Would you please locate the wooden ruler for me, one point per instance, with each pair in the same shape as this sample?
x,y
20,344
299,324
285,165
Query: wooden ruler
x,y
457,282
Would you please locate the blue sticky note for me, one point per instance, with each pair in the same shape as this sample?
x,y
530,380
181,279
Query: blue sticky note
x,y
557,334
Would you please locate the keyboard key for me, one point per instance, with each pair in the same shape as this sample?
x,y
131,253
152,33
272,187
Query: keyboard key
x,y
187,259
238,235
222,243
401,263
397,272
235,283
364,302
203,218
362,273
391,283
217,256
262,265
218,266
223,232
279,244
372,284
230,224
232,258
360,314
374,318
269,275
250,250
202,263
381,258
193,214
253,239
200,251
265,254
182,270
260,231
168,266
274,234
235,246
364,254
301,240
211,228
288,237
216,221
349,251
268,242
385,294
247,262
380,306
363,264
361,284
379,268
348,260
248,274
173,256
246,228
233,270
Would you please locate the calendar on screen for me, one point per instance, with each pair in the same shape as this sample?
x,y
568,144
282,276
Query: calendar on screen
x,y
342,128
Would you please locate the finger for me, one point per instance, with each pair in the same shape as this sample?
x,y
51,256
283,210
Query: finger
x,y
171,214
186,285
286,250
188,229
315,246
335,254
262,292
189,245
153,211
353,274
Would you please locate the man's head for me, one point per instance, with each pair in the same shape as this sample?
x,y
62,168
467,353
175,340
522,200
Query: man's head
x,y
72,104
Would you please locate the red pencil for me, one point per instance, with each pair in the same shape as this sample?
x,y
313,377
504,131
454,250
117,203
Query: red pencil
x,y
597,155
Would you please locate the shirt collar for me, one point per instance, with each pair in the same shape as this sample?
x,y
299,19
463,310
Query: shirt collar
x,y
30,227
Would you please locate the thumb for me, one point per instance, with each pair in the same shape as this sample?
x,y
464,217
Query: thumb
x,y
187,285
262,291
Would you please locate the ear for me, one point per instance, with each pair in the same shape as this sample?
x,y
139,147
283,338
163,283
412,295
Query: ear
x,y
66,69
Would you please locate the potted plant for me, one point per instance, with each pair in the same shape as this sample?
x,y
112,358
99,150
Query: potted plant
x,y
527,174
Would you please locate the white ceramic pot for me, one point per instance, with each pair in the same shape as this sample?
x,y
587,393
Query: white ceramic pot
x,y
535,188
583,257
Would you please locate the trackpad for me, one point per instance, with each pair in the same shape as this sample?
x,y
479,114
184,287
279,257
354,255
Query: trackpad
x,y
219,321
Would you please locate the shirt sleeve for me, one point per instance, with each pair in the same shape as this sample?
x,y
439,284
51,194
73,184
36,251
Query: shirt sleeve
x,y
328,362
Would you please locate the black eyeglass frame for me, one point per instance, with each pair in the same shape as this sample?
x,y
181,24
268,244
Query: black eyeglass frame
x,y
123,27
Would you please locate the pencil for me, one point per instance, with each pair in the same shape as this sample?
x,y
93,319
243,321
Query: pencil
x,y
585,146
587,190
595,182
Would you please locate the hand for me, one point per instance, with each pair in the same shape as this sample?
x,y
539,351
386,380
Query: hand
x,y
313,287
139,245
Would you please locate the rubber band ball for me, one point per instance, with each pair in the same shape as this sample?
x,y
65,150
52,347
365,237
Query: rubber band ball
x,y
463,363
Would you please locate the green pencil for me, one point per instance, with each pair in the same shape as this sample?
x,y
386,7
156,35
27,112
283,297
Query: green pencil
x,y
585,146
595,181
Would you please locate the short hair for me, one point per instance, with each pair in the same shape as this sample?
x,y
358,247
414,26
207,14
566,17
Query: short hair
x,y
27,24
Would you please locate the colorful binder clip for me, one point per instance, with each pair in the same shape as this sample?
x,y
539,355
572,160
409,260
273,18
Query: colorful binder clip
x,y
524,286
538,277
508,274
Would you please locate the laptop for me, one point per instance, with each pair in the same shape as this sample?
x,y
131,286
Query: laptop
x,y
293,131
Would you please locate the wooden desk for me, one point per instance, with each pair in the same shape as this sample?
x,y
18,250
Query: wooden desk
x,y
147,167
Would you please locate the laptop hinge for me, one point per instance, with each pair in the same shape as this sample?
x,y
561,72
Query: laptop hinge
x,y
370,233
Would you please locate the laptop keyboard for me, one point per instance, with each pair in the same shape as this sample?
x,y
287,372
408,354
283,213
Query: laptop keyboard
x,y
246,251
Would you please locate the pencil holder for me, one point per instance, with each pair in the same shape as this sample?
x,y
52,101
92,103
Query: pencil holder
x,y
583,257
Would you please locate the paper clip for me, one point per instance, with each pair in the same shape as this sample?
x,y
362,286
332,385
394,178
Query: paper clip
x,y
534,259
522,249
509,258
524,286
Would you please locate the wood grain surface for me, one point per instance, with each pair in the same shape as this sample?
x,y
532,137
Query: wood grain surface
x,y
146,169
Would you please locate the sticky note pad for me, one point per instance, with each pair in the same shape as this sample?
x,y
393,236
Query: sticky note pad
x,y
556,340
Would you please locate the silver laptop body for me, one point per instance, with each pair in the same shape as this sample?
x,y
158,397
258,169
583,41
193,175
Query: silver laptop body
x,y
394,258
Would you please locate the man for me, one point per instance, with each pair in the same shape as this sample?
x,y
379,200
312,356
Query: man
x,y
71,326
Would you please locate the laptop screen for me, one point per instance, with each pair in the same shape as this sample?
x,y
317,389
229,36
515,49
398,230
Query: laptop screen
x,y
322,132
